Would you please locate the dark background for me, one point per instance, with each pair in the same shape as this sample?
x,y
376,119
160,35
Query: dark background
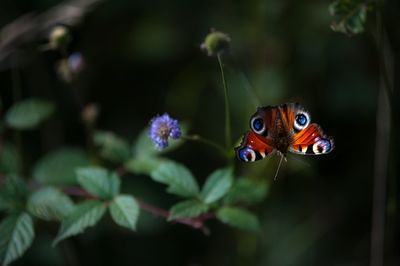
x,y
143,58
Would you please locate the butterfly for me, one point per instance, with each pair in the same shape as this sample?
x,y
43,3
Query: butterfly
x,y
281,129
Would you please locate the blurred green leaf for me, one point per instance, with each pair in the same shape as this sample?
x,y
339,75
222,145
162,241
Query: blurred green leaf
x,y
217,185
29,113
8,159
13,194
115,184
239,218
187,209
58,167
111,146
246,191
349,16
49,204
144,165
84,215
97,181
125,211
179,179
17,234
144,147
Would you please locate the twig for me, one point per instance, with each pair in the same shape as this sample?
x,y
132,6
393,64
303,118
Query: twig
x,y
382,148
205,141
196,223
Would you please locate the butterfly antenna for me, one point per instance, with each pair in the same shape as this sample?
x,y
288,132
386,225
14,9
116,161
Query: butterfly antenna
x,y
279,167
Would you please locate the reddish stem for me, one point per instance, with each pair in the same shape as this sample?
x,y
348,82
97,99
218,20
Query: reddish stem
x,y
196,223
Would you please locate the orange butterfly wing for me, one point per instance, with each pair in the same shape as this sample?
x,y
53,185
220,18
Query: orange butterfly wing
x,y
311,141
254,147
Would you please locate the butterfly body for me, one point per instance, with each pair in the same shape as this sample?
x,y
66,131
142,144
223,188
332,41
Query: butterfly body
x,y
281,129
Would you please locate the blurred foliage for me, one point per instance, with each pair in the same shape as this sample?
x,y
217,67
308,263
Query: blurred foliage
x,y
350,16
96,178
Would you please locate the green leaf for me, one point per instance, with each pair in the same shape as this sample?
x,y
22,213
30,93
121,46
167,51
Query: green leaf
x,y
98,182
112,147
144,165
349,16
217,185
9,161
29,113
179,179
115,184
58,167
187,209
125,211
17,234
246,191
13,194
144,147
49,204
239,218
84,215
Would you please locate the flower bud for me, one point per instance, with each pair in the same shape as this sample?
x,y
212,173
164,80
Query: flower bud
x,y
215,43
59,38
90,113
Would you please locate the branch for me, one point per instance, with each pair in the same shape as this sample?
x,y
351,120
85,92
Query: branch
x,y
196,223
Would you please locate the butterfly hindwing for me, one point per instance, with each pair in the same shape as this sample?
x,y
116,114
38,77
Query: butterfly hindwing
x,y
254,147
311,141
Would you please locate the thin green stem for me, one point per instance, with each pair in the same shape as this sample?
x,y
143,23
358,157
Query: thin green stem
x,y
205,141
227,112
17,95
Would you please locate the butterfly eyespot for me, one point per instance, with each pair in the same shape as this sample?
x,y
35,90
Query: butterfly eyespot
x,y
246,155
301,121
257,124
322,146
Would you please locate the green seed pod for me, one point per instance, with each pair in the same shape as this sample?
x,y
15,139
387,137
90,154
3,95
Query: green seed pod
x,y
215,43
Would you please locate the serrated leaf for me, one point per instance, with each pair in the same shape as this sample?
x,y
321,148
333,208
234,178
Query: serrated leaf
x,y
84,215
246,191
49,204
187,209
144,147
112,147
144,165
29,113
13,194
217,185
17,234
179,179
125,211
115,184
350,16
58,167
97,181
239,218
9,160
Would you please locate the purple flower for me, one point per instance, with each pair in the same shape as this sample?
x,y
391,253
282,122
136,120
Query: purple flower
x,y
162,128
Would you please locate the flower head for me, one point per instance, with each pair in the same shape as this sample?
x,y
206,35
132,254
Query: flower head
x,y
215,43
163,127
59,38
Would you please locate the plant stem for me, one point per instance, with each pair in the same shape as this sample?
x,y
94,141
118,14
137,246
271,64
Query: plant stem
x,y
205,141
196,223
17,95
227,112
382,149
